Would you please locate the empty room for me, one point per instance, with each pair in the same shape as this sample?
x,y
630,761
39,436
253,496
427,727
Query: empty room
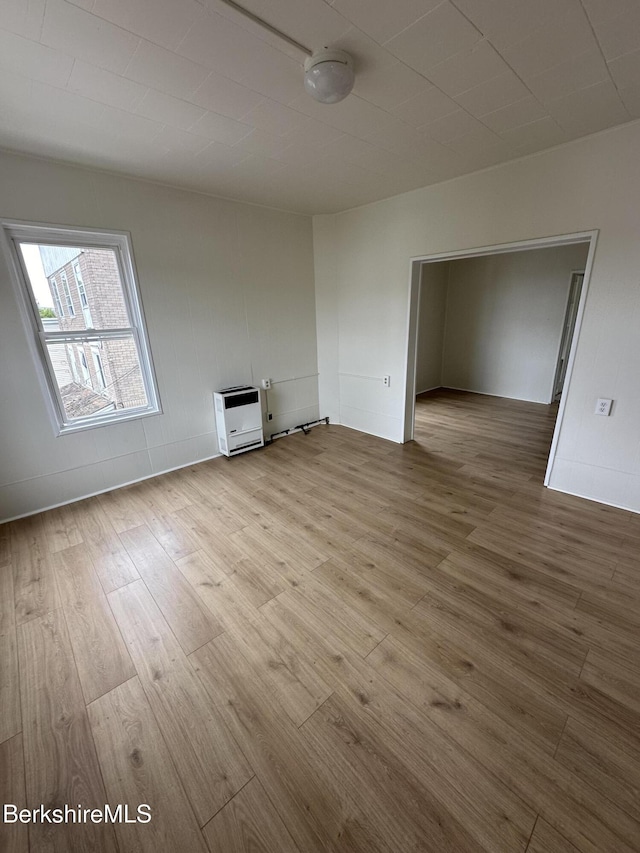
x,y
319,447
498,324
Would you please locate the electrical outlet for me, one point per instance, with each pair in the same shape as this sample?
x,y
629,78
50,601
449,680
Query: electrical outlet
x,y
266,384
386,380
603,407
269,416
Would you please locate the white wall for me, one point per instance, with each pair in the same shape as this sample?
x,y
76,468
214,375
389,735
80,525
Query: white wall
x,y
505,316
228,295
431,326
593,183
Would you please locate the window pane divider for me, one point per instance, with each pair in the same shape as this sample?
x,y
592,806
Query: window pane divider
x,y
88,334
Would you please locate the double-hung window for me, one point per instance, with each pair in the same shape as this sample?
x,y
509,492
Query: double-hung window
x,y
94,365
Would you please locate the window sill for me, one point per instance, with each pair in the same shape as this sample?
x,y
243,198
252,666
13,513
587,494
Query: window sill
x,y
68,429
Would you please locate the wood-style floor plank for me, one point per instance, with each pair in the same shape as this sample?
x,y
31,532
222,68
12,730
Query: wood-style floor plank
x,y
566,563
224,599
609,765
215,512
376,782
60,528
299,687
497,817
26,532
100,654
170,493
400,655
209,763
112,563
5,545
273,541
538,780
120,509
34,584
249,822
258,582
60,761
14,836
523,631
546,839
372,602
328,613
404,548
138,770
520,585
156,508
10,717
191,622
214,541
316,816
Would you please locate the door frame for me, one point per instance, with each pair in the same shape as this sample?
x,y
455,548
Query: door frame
x,y
563,336
416,265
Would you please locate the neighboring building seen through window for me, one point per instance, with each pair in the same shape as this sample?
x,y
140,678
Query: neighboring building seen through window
x,y
94,354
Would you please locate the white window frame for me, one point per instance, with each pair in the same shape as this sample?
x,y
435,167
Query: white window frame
x,y
12,233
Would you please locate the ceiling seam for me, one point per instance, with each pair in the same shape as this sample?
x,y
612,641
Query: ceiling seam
x,y
509,66
604,58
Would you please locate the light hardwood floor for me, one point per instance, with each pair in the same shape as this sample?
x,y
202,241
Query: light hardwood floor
x,y
334,643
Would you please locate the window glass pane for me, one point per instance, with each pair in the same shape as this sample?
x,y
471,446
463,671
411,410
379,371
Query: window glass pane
x,y
98,377
80,286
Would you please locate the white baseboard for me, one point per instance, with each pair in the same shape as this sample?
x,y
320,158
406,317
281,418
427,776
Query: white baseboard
x,y
111,488
594,500
425,390
490,394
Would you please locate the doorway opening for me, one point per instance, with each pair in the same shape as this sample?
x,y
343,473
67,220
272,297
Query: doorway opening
x,y
501,321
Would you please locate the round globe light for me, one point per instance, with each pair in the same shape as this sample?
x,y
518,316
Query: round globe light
x,y
328,76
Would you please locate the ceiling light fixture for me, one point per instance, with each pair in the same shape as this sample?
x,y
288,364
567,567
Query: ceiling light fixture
x,y
328,74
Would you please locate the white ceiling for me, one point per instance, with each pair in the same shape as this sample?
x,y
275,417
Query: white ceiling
x,y
188,93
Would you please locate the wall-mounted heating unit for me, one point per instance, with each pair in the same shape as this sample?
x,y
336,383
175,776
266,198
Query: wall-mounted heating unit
x,y
238,419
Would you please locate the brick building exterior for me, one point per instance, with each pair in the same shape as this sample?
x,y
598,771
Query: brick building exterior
x,y
87,294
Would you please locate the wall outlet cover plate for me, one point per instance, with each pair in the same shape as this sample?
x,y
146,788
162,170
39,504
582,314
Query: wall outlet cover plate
x,y
603,406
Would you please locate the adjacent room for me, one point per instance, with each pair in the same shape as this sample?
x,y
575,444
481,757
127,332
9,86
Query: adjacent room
x,y
319,449
501,325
